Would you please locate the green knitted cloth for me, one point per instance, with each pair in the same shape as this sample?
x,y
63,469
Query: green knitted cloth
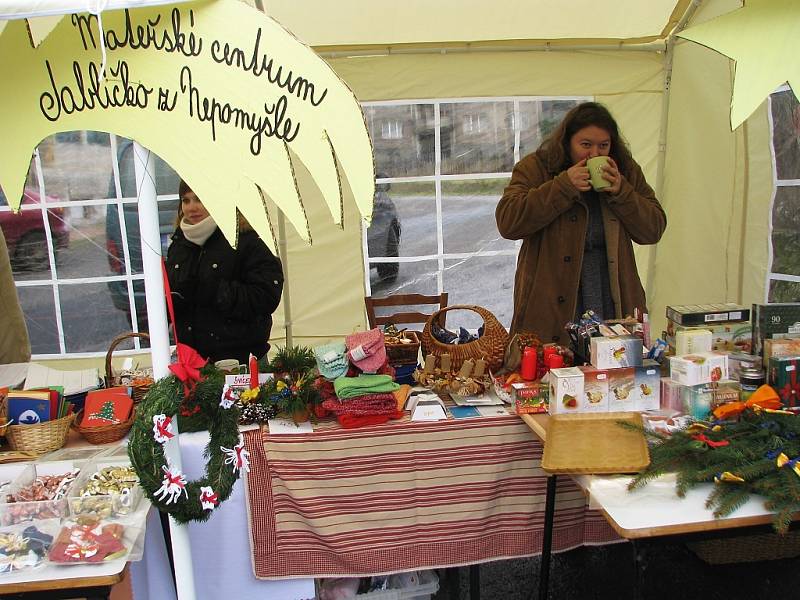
x,y
350,387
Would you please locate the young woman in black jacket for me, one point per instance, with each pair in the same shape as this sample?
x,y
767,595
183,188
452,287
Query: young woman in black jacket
x,y
223,298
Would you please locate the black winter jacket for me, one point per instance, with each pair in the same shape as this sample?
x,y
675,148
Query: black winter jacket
x,y
224,298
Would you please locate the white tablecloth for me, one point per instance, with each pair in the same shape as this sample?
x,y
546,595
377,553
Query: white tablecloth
x,y
221,553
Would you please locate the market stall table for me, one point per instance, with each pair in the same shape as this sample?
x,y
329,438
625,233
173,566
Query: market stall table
x,y
52,581
656,511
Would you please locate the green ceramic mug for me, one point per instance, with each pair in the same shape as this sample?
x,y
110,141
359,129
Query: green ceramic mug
x,y
595,165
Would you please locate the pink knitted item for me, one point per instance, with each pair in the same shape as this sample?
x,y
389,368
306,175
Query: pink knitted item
x,y
369,404
366,350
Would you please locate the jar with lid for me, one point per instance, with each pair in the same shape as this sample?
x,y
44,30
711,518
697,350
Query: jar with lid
x,y
750,379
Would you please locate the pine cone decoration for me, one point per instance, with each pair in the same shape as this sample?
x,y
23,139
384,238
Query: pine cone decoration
x,y
256,413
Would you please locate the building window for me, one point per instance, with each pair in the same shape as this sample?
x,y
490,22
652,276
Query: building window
x,y
433,228
783,280
392,130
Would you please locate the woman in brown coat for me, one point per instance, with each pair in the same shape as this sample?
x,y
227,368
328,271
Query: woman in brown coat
x,y
577,251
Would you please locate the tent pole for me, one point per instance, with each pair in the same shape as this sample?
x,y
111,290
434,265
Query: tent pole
x,y
283,254
159,338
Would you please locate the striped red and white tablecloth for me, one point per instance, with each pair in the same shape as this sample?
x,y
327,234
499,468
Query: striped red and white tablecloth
x,y
405,495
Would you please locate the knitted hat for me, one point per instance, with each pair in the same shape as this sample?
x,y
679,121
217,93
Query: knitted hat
x,y
366,349
331,360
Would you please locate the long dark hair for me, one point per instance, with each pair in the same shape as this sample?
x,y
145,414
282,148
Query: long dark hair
x,y
555,149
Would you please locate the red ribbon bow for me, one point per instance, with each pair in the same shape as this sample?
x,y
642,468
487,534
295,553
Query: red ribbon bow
x,y
187,369
176,479
711,443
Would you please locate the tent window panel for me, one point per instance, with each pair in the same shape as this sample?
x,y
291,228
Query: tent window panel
x,y
538,119
415,277
403,220
89,317
468,223
786,134
487,281
27,232
786,231
76,167
784,291
478,136
38,306
166,177
403,138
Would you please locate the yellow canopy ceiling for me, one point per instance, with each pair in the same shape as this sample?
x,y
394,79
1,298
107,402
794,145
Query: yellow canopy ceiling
x,y
384,22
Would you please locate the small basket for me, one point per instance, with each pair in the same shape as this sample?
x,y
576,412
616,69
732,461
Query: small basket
x,y
138,391
747,548
41,438
490,346
404,354
104,434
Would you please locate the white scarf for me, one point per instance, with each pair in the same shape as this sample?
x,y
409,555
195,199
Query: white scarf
x,y
200,232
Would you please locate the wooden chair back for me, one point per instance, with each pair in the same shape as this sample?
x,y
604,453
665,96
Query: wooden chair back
x,y
403,317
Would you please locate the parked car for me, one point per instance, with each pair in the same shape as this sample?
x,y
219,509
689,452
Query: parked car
x,y
383,235
25,235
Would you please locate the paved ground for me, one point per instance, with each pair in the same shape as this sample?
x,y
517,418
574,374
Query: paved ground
x,y
668,572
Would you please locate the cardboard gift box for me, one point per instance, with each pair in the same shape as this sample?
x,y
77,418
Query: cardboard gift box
x,y
732,337
616,352
774,321
566,390
671,394
647,386
781,347
782,375
530,397
702,314
703,367
621,382
595,390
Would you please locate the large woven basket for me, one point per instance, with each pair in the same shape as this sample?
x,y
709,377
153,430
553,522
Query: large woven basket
x,y
39,439
104,434
490,346
137,391
747,548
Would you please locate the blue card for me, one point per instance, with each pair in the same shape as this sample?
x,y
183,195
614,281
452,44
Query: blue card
x,y
462,412
28,411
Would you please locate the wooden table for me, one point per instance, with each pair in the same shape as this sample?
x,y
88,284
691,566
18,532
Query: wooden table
x,y
54,582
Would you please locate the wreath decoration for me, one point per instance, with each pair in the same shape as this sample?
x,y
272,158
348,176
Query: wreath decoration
x,y
165,485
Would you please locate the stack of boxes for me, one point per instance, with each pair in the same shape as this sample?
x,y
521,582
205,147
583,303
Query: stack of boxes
x,y
704,341
618,379
776,336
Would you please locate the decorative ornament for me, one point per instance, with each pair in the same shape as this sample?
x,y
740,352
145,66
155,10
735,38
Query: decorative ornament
x,y
229,397
785,461
162,428
727,476
257,413
172,486
237,457
167,488
187,369
208,499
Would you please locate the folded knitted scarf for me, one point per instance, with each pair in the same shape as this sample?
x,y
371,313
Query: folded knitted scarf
x,y
331,360
348,387
368,404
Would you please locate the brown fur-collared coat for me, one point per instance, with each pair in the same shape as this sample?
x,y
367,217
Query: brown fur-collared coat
x,y
550,215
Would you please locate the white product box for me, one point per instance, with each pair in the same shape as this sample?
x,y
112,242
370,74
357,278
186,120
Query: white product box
x,y
566,390
690,341
647,389
595,390
702,367
616,352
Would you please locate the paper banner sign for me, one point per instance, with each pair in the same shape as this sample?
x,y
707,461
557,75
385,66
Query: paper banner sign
x,y
763,37
217,89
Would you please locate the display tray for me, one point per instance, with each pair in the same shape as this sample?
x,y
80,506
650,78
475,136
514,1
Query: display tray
x,y
594,443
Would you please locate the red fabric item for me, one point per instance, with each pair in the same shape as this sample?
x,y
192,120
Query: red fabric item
x,y
187,369
369,404
353,421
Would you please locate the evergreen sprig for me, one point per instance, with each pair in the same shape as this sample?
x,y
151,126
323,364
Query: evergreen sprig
x,y
754,443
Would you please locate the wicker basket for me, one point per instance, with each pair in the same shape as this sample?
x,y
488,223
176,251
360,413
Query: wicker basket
x,y
404,354
137,391
490,346
748,548
39,439
104,434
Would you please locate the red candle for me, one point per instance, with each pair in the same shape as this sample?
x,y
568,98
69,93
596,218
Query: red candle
x,y
555,361
253,372
528,365
548,351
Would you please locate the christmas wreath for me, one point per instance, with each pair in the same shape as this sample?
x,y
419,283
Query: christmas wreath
x,y
201,409
750,448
